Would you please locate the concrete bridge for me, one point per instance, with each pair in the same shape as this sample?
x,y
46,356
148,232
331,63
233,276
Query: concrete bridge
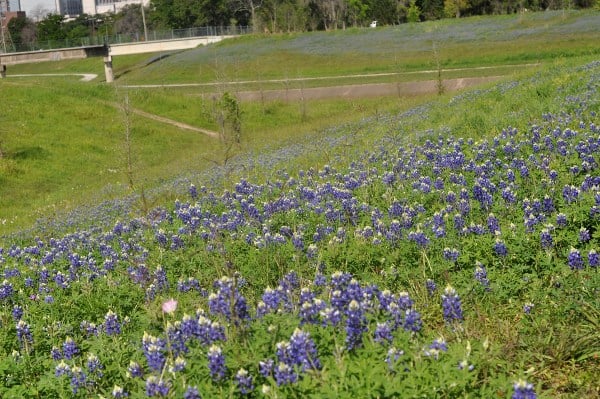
x,y
105,51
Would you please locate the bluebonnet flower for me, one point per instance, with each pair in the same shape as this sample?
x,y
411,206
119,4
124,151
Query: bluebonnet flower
x,y
383,333
244,381
285,374
6,290
412,320
191,393
111,324
88,328
500,248
55,353
134,370
216,363
265,367
431,286
528,307
451,254
193,191
93,365
523,390
118,392
493,224
593,258
418,237
153,348
330,316
561,220
437,346
392,357
584,234
546,238
70,349
356,325
221,301
17,313
61,369
156,387
78,379
574,259
451,305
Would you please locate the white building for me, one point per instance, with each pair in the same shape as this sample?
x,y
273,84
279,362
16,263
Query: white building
x,y
93,7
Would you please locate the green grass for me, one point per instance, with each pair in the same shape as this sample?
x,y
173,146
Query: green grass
x,y
56,161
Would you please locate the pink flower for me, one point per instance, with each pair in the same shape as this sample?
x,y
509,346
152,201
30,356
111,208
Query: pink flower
x,y
169,306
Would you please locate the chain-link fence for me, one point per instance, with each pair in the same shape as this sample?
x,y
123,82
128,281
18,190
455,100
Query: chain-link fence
x,y
130,38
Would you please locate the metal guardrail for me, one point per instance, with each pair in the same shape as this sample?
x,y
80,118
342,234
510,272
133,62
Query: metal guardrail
x,y
132,38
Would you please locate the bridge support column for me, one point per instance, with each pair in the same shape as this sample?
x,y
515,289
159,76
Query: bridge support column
x,y
2,71
108,69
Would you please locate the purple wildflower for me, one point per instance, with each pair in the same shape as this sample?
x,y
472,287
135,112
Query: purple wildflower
x,y
244,381
451,305
574,259
523,390
216,363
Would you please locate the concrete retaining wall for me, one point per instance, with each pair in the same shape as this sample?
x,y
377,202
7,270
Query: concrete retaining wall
x,y
163,45
51,55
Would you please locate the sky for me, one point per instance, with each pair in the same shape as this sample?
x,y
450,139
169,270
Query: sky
x,y
29,5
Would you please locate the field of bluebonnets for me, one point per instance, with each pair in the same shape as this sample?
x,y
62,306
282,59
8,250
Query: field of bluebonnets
x,y
435,264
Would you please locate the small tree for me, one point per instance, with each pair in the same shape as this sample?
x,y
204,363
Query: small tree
x,y
228,115
414,12
453,8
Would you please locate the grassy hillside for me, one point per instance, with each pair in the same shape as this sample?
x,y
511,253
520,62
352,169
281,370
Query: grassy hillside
x,y
450,250
436,247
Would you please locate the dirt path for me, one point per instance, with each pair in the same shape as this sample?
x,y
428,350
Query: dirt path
x,y
172,122
364,90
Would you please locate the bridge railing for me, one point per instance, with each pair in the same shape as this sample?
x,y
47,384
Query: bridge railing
x,y
200,31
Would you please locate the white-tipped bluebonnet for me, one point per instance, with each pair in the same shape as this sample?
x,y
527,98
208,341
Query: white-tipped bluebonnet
x,y
17,312
480,275
70,349
192,393
451,305
178,365
593,258
574,259
383,333
244,381
61,369
546,239
216,363
500,248
94,366
523,390
118,392
284,374
78,379
111,324
437,346
528,307
584,235
156,387
356,325
6,290
154,348
451,254
134,370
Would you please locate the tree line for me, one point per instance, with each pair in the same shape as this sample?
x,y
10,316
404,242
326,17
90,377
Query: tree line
x,y
268,16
